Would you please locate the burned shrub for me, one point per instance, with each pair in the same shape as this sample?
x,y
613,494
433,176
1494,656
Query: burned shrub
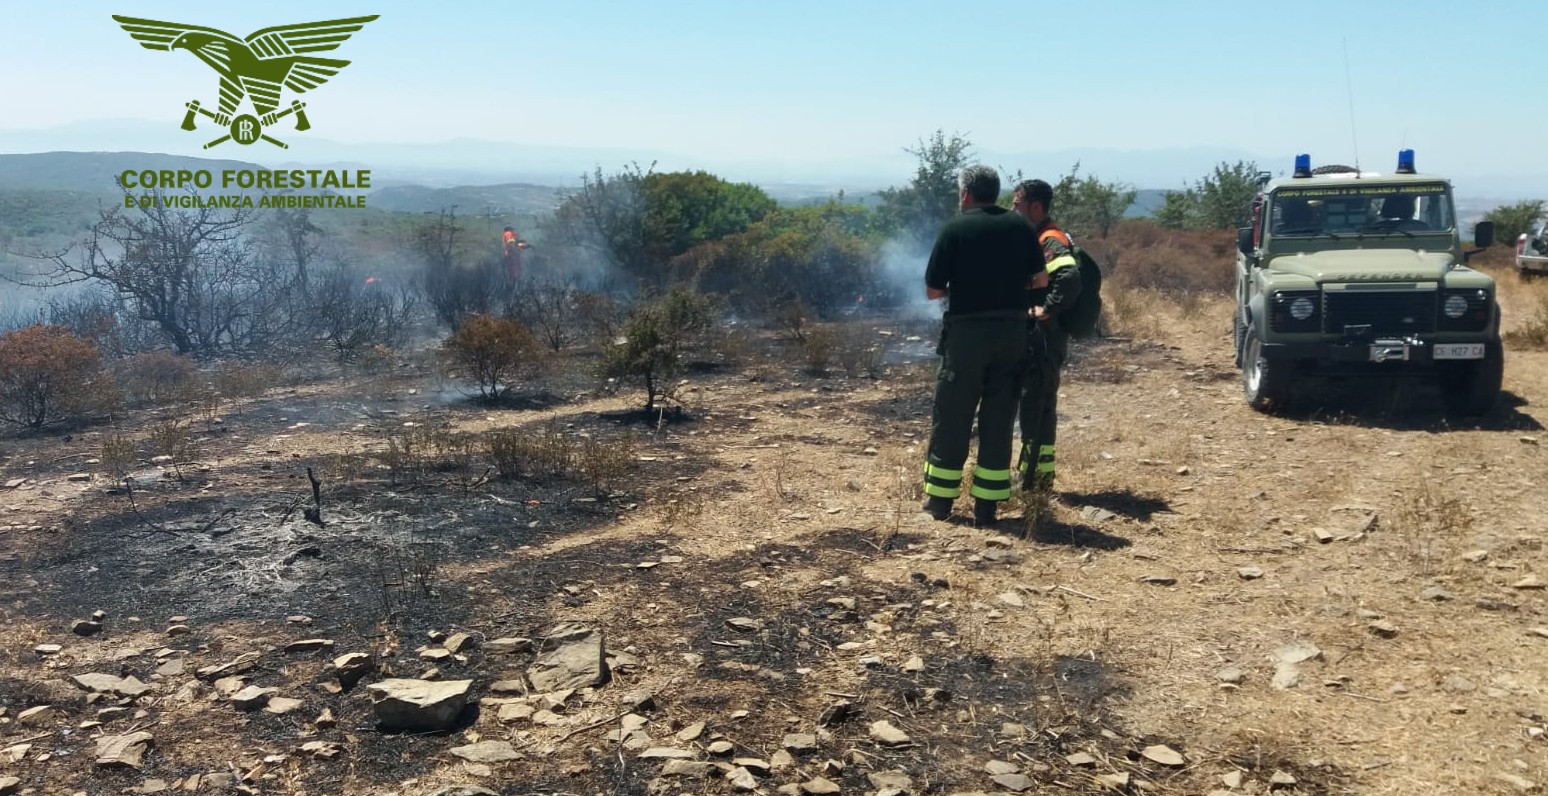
x,y
494,352
156,378
50,376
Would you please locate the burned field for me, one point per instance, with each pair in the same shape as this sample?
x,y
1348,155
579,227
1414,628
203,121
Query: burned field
x,y
743,597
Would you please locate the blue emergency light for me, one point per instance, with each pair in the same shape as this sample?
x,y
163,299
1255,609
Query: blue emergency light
x,y
1303,166
1405,161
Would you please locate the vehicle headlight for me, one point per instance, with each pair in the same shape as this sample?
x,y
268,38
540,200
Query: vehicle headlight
x,y
1303,308
1455,306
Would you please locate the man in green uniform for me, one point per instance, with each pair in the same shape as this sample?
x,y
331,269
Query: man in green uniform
x,y
983,264
1049,342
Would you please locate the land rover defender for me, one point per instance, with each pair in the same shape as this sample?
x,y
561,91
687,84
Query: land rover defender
x,y
1356,274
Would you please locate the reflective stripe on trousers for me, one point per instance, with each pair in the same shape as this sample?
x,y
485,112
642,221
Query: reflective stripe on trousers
x,y
941,482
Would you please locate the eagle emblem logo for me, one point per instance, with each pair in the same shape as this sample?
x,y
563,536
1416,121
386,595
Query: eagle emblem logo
x,y
256,68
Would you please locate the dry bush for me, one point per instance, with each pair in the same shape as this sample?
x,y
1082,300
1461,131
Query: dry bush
x,y
1431,527
1141,254
426,448
157,378
494,352
859,351
600,317
50,376
519,453
172,439
246,379
793,321
1133,312
603,462
119,455
816,347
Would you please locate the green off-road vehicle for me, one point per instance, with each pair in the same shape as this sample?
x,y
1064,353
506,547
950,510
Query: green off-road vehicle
x,y
1351,274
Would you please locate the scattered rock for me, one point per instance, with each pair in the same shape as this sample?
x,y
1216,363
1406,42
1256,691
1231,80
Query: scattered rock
x,y
691,732
48,649
1383,629
309,645
326,750
897,780
242,664
487,752
1282,779
1232,779
251,698
1529,582
1231,675
458,642
666,753
35,715
799,742
85,627
464,790
577,660
1165,755
280,706
508,645
744,624
1475,556
127,687
1322,535
686,768
419,704
741,779
179,630
325,720
1521,784
885,734
350,667
1297,652
1159,580
1080,759
515,711
818,786
1286,676
1435,594
914,664
1015,783
1012,599
122,750
1249,573
1118,782
8,785
720,748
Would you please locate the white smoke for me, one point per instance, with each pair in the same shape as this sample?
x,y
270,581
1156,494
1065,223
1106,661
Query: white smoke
x,y
903,262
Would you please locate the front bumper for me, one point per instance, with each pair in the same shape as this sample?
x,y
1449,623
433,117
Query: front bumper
x,y
1382,355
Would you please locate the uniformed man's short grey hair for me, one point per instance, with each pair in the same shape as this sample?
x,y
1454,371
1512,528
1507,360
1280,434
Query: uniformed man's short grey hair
x,y
981,182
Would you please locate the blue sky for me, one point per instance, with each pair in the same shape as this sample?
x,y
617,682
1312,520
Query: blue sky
x,y
819,82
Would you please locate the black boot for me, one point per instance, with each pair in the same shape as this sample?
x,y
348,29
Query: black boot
x,y
984,512
938,507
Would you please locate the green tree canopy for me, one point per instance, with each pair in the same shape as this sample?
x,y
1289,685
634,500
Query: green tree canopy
x,y
930,199
1510,221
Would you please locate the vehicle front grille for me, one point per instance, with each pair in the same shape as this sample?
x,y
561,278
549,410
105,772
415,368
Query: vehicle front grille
x,y
1386,312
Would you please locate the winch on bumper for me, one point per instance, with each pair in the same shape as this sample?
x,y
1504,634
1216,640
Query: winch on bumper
x,y
1406,354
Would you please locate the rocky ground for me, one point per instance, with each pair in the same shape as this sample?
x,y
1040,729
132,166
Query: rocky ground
x,y
1347,598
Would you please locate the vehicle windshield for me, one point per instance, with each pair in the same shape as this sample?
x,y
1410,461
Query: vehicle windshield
x,y
1362,209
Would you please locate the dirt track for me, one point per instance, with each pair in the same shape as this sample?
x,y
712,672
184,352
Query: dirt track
x,y
1184,543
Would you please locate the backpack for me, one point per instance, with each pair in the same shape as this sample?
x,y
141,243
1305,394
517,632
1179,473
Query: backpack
x,y
1082,319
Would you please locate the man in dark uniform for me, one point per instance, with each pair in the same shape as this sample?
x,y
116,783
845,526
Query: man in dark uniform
x,y
1049,342
983,264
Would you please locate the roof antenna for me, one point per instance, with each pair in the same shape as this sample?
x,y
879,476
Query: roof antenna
x,y
1349,82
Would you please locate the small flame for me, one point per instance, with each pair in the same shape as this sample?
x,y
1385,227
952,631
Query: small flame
x,y
370,280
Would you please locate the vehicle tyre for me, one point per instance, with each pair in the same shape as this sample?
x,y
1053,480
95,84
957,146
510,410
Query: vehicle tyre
x,y
1472,389
1266,384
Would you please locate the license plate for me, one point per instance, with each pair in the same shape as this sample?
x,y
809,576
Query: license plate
x,y
1385,352
1458,351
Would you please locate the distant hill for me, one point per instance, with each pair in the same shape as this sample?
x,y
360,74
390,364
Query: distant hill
x,y
93,172
511,198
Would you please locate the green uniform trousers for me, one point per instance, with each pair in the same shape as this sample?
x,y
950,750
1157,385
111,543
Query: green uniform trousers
x,y
1040,407
982,359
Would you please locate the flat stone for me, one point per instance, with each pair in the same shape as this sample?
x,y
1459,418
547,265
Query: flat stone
x,y
48,649
122,750
251,698
1012,599
1249,573
241,664
1080,759
1457,684
309,645
799,742
666,753
996,767
1282,779
896,780
756,765
127,687
419,704
720,748
1016,783
686,768
1299,651
1231,675
1382,629
885,734
515,711
507,646
742,780
84,627
487,752
1531,582
1165,755
36,715
8,785
1435,594
279,706
691,732
1232,779
1286,676
457,642
577,660
1519,784
325,750
818,786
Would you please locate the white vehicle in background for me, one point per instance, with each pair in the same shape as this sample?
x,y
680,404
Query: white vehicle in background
x,y
1532,250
